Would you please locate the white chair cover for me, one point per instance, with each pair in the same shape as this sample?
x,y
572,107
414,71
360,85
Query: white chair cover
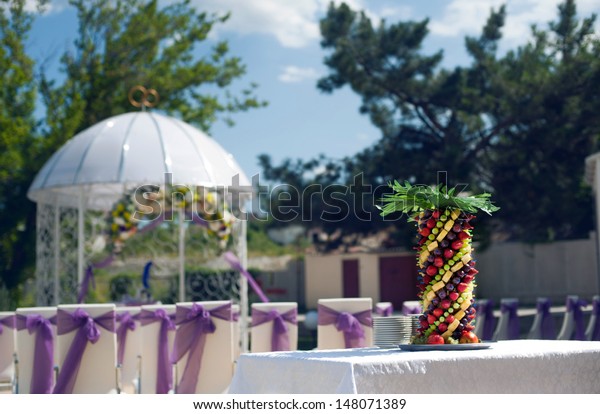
x,y
508,323
216,365
130,367
572,326
98,370
328,337
150,346
26,347
7,348
592,332
261,335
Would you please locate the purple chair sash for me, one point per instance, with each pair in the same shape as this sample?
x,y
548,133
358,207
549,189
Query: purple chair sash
x,y
164,376
87,331
486,310
9,322
349,324
43,356
574,305
235,316
235,264
410,309
543,308
193,325
127,322
596,312
513,318
280,339
389,310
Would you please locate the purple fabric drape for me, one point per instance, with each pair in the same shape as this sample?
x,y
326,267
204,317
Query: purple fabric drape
x,y
280,339
596,311
235,316
127,322
348,323
193,325
43,356
543,308
89,277
235,264
9,322
87,331
510,308
574,305
164,376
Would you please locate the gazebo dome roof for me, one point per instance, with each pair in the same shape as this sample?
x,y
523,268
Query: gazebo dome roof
x,y
129,150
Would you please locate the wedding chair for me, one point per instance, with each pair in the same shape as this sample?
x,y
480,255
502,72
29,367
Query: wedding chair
x,y
7,351
411,307
344,323
543,323
203,347
592,333
87,349
274,327
384,308
573,324
158,333
484,320
235,322
36,350
129,345
508,323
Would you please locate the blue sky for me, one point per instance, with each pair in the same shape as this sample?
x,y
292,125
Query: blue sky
x,y
278,40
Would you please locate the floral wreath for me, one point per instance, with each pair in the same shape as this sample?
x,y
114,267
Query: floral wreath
x,y
199,205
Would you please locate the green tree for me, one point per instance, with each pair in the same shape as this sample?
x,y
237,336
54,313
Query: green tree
x,y
119,44
519,125
17,133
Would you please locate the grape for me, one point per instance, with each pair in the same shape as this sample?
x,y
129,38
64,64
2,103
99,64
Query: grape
x,y
460,327
442,294
456,280
451,236
456,228
422,317
435,302
450,287
444,243
430,258
437,252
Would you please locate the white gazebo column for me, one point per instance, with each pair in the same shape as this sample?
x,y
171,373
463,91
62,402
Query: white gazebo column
x,y
181,254
56,242
80,237
242,254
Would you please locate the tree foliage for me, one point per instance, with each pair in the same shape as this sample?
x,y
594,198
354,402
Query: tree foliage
x,y
119,44
518,124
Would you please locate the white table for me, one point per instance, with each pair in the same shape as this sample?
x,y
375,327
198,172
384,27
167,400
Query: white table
x,y
516,367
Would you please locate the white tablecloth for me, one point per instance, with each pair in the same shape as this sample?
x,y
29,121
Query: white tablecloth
x,y
516,367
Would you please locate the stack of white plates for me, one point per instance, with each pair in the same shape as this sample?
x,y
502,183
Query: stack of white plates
x,y
389,331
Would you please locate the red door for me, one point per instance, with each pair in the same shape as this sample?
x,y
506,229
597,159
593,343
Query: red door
x,y
397,279
350,275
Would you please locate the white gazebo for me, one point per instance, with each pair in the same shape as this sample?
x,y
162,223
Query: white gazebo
x,y
96,167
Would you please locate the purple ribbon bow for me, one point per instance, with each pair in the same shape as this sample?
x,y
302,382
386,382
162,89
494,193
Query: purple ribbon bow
x,y
235,264
389,309
486,311
87,331
9,322
193,325
349,324
513,318
596,311
89,277
164,376
43,356
574,305
280,340
543,308
126,323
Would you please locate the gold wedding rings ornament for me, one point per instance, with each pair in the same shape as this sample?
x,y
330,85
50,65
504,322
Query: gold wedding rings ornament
x,y
140,97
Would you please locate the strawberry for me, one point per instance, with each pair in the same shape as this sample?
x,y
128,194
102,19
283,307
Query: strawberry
x,y
438,261
438,312
431,319
449,319
457,244
443,327
445,303
431,270
462,287
463,235
430,223
436,214
448,253
425,232
453,296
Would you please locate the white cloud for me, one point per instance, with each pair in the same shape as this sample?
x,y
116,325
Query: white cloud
x,y
294,24
295,74
467,17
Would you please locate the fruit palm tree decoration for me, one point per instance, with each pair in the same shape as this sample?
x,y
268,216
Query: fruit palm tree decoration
x,y
445,266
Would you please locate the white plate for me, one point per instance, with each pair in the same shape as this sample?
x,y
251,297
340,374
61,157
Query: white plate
x,y
445,347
